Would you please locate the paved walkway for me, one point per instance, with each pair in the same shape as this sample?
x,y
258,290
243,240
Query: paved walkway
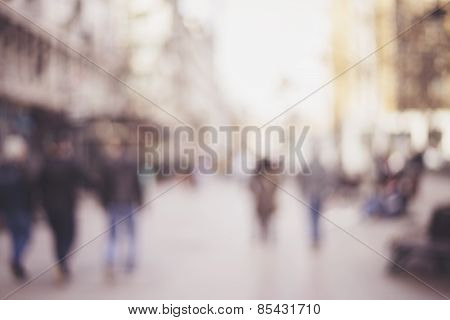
x,y
202,244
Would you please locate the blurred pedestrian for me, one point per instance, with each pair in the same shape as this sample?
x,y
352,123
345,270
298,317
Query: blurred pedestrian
x,y
121,194
16,199
315,186
263,186
59,180
411,175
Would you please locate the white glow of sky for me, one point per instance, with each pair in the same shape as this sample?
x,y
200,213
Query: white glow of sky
x,y
269,53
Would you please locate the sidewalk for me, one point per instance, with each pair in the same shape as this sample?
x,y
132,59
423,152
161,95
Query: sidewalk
x,y
202,244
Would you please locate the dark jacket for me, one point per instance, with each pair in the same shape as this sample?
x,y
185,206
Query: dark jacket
x,y
58,183
15,189
119,182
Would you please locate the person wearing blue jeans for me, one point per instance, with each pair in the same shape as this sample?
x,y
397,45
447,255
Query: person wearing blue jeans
x,y
315,187
19,226
16,200
121,219
121,195
315,207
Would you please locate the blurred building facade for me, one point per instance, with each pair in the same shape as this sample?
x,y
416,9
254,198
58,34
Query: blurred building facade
x,y
393,100
40,71
172,62
56,56
424,75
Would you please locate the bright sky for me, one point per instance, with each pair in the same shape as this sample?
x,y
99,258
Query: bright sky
x,y
269,53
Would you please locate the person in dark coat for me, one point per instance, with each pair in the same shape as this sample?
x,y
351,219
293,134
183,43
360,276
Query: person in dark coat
x,y
262,184
121,194
59,181
16,200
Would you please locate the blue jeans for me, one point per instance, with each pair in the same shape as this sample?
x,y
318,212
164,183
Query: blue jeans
x,y
19,225
121,219
315,207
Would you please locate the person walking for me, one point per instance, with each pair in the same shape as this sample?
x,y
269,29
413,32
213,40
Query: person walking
x,y
263,186
59,180
121,194
16,200
315,185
